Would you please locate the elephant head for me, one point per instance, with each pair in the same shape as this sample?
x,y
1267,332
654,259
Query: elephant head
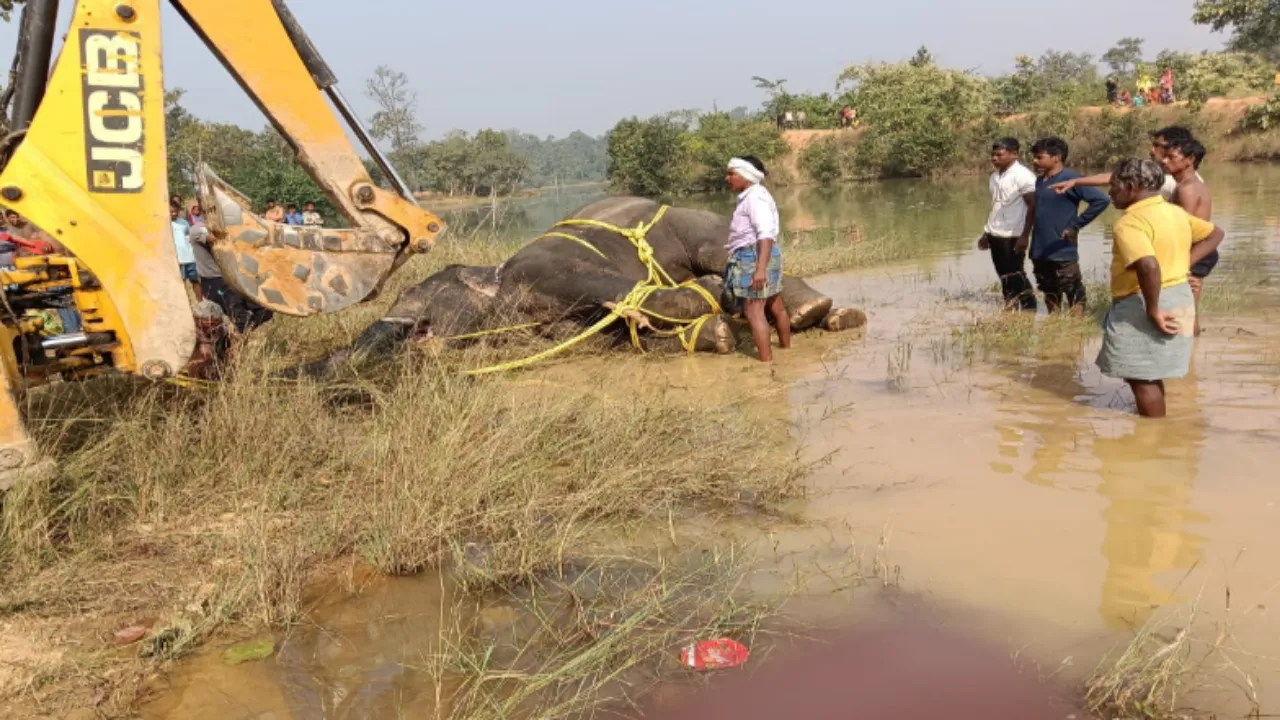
x,y
450,303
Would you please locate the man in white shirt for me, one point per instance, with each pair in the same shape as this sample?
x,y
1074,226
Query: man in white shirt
x,y
186,256
754,273
1013,216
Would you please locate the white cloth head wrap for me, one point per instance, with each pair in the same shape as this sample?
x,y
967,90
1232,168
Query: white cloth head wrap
x,y
746,171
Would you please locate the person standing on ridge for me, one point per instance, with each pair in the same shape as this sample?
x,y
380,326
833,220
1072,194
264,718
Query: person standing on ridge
x,y
1013,215
753,276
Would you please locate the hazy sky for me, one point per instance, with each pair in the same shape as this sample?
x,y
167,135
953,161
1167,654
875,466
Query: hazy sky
x,y
554,66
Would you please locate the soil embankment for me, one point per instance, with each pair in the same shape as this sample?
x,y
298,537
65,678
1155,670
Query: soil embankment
x,y
1220,112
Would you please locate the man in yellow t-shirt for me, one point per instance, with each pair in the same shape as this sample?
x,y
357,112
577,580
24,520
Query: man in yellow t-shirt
x,y
1150,328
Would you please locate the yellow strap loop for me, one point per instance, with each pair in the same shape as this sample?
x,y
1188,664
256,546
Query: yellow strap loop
x,y
495,331
567,236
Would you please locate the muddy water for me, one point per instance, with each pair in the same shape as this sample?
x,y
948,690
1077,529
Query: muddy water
x,y
1015,483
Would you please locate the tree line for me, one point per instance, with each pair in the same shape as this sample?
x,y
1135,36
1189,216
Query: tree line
x,y
920,118
489,163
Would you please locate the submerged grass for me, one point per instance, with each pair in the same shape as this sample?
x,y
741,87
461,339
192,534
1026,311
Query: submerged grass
x,y
1016,335
1166,662
830,249
602,636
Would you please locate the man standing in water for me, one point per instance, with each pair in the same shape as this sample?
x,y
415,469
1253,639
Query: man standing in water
x,y
1055,244
1148,331
1182,158
754,273
1195,199
1013,215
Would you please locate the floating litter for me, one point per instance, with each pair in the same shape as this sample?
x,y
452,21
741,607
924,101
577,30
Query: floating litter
x,y
714,654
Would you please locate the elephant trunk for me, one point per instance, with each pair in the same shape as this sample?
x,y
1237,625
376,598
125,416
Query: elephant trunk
x,y
380,339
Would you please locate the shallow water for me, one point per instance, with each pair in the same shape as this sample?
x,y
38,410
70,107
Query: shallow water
x,y
1017,484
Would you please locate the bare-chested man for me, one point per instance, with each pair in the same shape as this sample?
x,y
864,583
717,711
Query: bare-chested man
x,y
1181,160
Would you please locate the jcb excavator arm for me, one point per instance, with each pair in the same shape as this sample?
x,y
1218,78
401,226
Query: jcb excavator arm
x,y
86,162
284,268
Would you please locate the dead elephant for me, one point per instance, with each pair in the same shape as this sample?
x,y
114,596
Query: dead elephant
x,y
581,274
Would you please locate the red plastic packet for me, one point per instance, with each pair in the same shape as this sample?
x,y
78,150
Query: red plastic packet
x,y
714,654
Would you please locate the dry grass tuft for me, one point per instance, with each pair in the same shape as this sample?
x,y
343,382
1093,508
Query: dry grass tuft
x,y
1164,664
1021,334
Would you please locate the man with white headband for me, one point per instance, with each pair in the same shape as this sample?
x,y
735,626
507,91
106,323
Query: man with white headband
x,y
754,273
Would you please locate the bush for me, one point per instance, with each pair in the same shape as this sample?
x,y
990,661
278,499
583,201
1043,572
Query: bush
x,y
821,161
1200,76
644,156
1261,118
671,156
1055,78
916,116
1115,135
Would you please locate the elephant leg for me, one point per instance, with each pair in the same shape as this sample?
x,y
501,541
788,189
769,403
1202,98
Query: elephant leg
x,y
807,306
685,303
588,293
716,335
584,294
842,319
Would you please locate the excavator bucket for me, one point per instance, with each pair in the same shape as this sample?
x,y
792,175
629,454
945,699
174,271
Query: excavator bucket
x,y
293,269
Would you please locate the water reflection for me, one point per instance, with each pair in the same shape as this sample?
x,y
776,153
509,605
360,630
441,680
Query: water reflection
x,y
1148,475
1062,430
1145,471
518,219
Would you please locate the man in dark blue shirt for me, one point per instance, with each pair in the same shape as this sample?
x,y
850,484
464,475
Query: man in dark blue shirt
x,y
1055,252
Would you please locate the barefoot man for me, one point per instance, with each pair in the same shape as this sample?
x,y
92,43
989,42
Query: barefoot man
x,y
754,274
1148,331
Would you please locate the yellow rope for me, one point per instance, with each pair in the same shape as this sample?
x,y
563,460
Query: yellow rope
x,y
567,236
686,330
190,383
495,331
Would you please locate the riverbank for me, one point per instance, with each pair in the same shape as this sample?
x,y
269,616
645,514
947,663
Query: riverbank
x,y
1097,135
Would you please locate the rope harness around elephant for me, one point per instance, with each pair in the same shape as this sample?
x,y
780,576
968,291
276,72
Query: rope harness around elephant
x,y
626,309
631,306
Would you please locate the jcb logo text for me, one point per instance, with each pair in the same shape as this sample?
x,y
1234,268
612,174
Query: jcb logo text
x,y
113,110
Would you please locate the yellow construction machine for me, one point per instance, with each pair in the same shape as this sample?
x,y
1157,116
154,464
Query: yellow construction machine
x,y
84,159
